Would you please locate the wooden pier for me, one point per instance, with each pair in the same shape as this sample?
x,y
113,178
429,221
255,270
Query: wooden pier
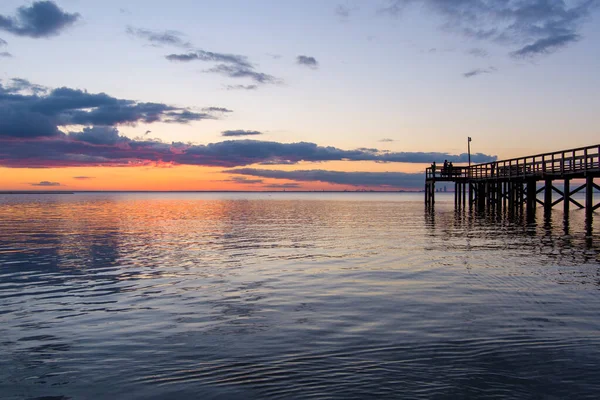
x,y
518,183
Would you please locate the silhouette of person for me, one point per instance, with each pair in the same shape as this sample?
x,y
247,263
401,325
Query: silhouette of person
x,y
445,168
450,166
433,167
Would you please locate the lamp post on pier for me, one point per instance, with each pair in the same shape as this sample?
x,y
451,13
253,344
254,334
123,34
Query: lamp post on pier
x,y
469,147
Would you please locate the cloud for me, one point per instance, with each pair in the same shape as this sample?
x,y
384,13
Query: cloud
x,y
97,135
201,55
45,183
479,71
230,65
477,52
236,71
241,87
99,146
23,85
240,132
359,179
243,180
307,61
533,26
217,109
30,110
387,140
83,178
159,38
3,42
545,46
5,54
41,19
282,186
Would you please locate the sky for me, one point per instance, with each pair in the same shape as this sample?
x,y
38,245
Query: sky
x,y
294,95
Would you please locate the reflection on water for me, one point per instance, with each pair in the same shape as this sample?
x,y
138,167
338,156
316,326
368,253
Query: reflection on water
x,y
293,296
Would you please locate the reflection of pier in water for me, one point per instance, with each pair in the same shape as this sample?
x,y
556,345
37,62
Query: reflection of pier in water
x,y
513,185
557,241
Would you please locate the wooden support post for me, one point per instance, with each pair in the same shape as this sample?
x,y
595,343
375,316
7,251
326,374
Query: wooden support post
x,y
481,195
567,196
589,200
511,196
456,195
499,196
471,195
531,196
521,194
548,195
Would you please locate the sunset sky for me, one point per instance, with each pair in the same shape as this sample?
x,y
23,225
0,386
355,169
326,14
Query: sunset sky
x,y
294,95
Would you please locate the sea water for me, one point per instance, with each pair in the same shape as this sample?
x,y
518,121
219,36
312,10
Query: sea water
x,y
293,296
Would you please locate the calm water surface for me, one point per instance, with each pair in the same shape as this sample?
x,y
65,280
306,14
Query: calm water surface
x,y
293,296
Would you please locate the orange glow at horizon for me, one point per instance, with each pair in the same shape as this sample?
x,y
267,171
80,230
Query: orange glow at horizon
x,y
166,177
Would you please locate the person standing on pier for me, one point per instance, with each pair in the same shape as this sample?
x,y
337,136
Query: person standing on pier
x,y
433,167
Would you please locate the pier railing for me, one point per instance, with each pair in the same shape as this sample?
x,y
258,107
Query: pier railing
x,y
447,174
565,162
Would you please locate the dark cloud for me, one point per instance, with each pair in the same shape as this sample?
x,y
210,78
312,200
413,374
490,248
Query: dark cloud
x,y
83,178
278,162
99,146
240,132
238,71
30,110
307,61
23,85
5,54
545,46
533,26
479,71
243,180
217,109
41,19
230,65
3,42
106,135
477,52
201,55
283,186
45,183
360,179
241,87
159,38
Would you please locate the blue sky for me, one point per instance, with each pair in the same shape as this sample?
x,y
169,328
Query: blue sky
x,y
519,76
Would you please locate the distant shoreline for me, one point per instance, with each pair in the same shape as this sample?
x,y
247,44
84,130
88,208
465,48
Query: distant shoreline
x,y
35,192
202,191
